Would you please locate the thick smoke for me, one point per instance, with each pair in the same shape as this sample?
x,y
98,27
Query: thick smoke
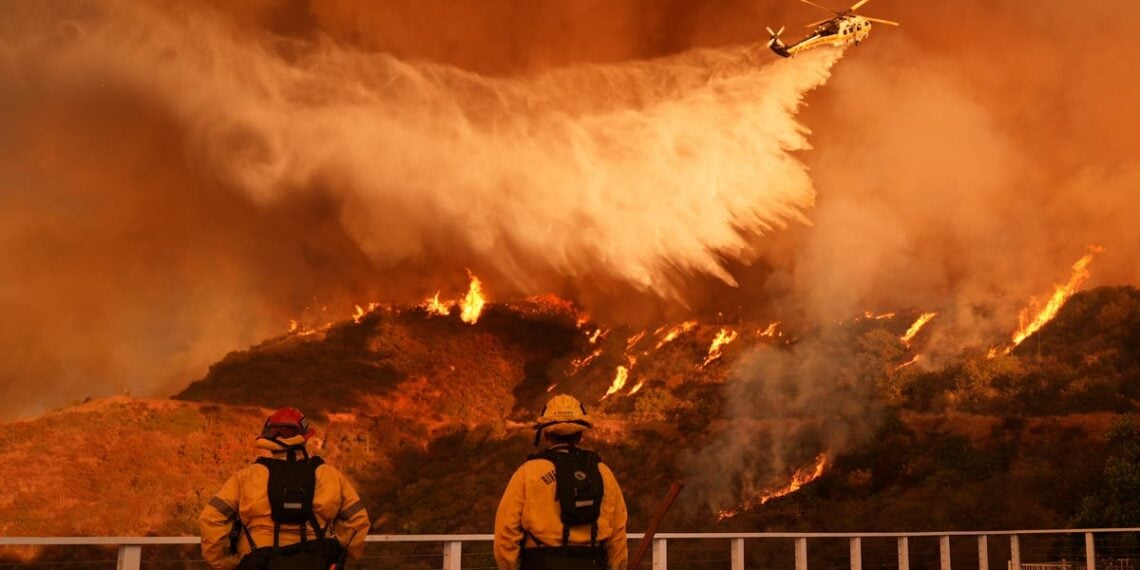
x,y
177,179
964,162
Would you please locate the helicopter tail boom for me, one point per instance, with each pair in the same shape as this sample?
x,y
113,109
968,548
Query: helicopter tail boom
x,y
777,45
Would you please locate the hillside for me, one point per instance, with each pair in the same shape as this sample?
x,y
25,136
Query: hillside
x,y
430,415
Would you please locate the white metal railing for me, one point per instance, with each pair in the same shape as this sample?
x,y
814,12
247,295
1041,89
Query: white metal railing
x,y
130,548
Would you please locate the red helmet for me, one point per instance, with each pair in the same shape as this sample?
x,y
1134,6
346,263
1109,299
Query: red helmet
x,y
286,423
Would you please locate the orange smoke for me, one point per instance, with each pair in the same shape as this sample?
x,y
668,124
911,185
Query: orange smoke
x,y
917,326
1061,293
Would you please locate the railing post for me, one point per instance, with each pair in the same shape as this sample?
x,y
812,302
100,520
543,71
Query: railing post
x,y
904,553
944,552
130,557
983,552
856,553
660,561
1014,553
452,555
801,553
738,554
1090,552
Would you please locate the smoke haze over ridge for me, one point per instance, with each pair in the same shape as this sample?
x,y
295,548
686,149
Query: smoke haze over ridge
x,y
639,173
179,180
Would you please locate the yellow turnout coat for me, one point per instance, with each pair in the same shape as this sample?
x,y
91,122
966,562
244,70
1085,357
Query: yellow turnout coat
x,y
530,504
246,496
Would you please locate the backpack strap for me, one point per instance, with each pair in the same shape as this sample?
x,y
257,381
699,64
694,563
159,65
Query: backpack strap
x,y
311,463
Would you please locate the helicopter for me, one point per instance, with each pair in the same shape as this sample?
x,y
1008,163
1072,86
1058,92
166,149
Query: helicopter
x,y
845,28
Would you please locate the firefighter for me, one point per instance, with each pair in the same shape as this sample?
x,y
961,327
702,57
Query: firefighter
x,y
563,508
286,506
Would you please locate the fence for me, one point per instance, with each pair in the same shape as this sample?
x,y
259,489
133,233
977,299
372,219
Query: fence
x,y
1062,549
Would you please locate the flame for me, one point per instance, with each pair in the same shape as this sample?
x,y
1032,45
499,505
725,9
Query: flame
x,y
361,311
771,331
619,381
909,362
577,364
638,387
1061,293
471,305
799,479
917,326
294,325
723,338
583,318
633,340
674,333
877,317
597,334
434,306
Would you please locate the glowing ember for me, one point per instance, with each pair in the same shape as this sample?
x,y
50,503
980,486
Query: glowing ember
x,y
917,326
723,338
771,331
619,381
1061,293
434,306
799,479
597,333
633,340
552,387
471,305
636,388
674,333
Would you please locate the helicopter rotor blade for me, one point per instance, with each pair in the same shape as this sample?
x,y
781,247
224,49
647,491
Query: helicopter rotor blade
x,y
810,3
857,5
814,24
882,21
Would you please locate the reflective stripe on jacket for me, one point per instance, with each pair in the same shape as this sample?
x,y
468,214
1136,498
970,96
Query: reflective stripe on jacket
x,y
246,494
530,502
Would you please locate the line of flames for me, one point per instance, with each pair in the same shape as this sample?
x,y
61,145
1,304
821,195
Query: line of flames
x,y
799,479
1061,293
470,305
917,326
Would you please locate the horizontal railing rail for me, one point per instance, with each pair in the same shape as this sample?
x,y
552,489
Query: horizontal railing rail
x,y
130,547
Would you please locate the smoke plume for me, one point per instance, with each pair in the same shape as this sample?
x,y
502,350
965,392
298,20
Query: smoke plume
x,y
177,182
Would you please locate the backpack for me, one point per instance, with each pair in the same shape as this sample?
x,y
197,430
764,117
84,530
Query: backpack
x,y
579,487
291,487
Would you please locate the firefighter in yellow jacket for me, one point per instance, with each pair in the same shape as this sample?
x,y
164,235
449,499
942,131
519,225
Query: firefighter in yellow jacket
x,y
563,508
284,499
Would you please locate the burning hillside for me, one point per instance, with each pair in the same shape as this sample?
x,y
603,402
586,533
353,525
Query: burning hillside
x,y
422,409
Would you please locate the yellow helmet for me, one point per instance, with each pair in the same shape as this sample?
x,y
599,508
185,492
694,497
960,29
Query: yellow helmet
x,y
562,415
